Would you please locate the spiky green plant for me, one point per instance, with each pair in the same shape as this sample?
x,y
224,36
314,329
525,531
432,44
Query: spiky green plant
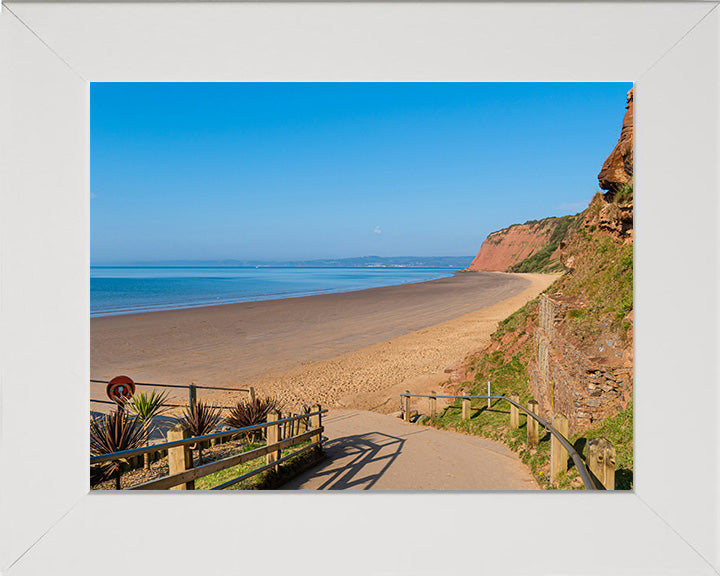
x,y
115,432
200,418
146,408
250,413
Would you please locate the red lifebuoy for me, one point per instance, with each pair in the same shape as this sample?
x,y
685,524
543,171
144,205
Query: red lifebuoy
x,y
120,388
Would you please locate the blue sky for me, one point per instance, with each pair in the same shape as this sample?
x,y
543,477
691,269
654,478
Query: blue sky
x,y
300,171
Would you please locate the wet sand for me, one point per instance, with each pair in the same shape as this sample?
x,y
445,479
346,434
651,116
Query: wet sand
x,y
346,349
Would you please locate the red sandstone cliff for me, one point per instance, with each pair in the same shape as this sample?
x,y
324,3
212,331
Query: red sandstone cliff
x,y
530,247
582,364
537,246
509,246
617,171
576,341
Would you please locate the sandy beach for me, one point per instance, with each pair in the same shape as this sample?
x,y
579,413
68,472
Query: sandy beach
x,y
355,349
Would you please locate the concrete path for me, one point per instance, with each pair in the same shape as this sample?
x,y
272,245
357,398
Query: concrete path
x,y
369,451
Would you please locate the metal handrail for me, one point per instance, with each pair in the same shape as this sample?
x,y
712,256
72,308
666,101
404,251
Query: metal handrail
x,y
195,473
178,386
579,464
165,445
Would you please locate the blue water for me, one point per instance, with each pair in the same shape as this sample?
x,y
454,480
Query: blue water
x,y
127,290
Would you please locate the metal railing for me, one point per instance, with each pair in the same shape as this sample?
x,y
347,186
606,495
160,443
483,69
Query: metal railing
x,y
576,458
191,388
188,441
191,474
157,385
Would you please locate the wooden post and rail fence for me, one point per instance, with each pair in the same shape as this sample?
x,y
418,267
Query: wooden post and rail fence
x,y
282,433
597,474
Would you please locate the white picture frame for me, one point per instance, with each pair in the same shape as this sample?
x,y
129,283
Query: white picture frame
x,y
50,523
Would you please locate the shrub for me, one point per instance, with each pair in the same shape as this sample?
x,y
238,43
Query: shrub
x,y
200,418
625,195
146,408
114,432
250,413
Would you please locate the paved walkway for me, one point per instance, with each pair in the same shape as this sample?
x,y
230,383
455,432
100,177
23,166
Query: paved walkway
x,y
369,451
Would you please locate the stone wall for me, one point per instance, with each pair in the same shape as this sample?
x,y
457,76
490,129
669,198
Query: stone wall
x,y
564,379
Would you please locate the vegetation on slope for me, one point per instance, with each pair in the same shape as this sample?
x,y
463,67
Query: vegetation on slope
x,y
542,260
601,282
494,423
601,279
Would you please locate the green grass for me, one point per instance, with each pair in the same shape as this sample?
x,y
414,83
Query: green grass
x,y
605,281
619,431
625,195
541,260
516,320
257,482
494,423
602,283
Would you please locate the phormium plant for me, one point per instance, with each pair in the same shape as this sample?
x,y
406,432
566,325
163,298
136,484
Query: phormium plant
x,y
200,418
250,413
115,432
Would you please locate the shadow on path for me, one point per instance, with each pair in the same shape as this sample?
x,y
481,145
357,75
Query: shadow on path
x,y
356,462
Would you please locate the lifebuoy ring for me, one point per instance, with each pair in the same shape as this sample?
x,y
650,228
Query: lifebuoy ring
x,y
120,388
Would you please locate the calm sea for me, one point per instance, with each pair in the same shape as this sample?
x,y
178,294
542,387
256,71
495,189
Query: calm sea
x,y
127,290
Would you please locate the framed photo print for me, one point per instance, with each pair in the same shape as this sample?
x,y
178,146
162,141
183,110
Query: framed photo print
x,y
462,257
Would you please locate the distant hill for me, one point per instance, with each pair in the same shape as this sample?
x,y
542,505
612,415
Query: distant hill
x,y
450,262
454,262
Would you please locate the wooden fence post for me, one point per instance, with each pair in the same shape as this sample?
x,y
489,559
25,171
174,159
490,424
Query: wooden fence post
x,y
432,402
532,425
179,457
406,416
273,436
514,412
252,394
558,453
315,424
601,461
193,394
465,406
303,423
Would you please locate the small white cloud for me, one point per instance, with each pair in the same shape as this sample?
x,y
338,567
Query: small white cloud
x,y
377,230
92,195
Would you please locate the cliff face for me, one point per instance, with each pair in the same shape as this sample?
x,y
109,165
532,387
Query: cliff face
x,y
617,171
530,247
582,362
539,246
509,246
575,342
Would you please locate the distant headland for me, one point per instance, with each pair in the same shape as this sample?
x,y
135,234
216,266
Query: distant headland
x,y
453,262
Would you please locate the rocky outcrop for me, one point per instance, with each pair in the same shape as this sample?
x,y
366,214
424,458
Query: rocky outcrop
x,y
617,171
